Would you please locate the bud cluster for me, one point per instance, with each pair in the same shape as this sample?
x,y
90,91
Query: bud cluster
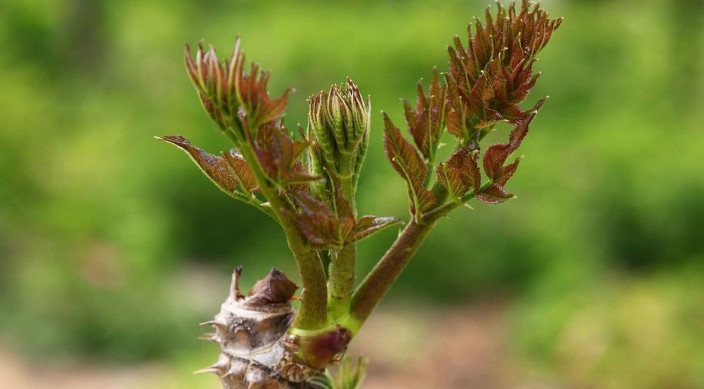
x,y
233,98
339,122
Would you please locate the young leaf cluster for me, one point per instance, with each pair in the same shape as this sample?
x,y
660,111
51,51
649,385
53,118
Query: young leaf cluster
x,y
308,182
484,86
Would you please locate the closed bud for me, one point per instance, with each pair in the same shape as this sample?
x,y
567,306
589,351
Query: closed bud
x,y
339,122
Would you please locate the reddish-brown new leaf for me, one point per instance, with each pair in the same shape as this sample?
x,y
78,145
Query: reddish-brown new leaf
x,y
316,221
409,164
343,210
244,173
367,225
216,168
496,155
402,155
427,120
494,194
460,173
280,155
225,89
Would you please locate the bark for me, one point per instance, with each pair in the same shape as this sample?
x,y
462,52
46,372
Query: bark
x,y
252,332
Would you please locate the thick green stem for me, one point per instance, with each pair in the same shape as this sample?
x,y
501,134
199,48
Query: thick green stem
x,y
313,311
342,265
380,279
341,283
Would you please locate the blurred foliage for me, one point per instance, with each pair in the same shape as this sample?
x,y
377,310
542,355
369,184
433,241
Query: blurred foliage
x,y
106,237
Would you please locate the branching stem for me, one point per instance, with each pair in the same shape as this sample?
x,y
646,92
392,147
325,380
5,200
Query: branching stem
x,y
382,276
387,270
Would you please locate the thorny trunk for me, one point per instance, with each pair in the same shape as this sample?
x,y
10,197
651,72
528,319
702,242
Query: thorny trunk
x,y
252,334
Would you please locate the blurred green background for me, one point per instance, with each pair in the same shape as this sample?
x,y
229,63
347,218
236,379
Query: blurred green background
x,y
113,246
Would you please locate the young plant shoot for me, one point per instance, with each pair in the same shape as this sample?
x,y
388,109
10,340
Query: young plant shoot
x,y
307,183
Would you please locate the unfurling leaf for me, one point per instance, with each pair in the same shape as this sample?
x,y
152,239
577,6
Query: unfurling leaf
x,y
427,120
279,155
404,158
341,204
216,168
367,225
316,221
460,173
406,161
253,94
225,88
327,224
496,155
458,120
333,226
244,173
495,159
494,194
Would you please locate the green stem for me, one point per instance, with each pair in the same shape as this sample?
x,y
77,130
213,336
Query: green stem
x,y
341,282
438,188
386,271
313,311
444,209
342,266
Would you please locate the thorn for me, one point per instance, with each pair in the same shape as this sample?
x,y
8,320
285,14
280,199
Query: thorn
x,y
210,369
468,206
234,286
215,324
210,338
